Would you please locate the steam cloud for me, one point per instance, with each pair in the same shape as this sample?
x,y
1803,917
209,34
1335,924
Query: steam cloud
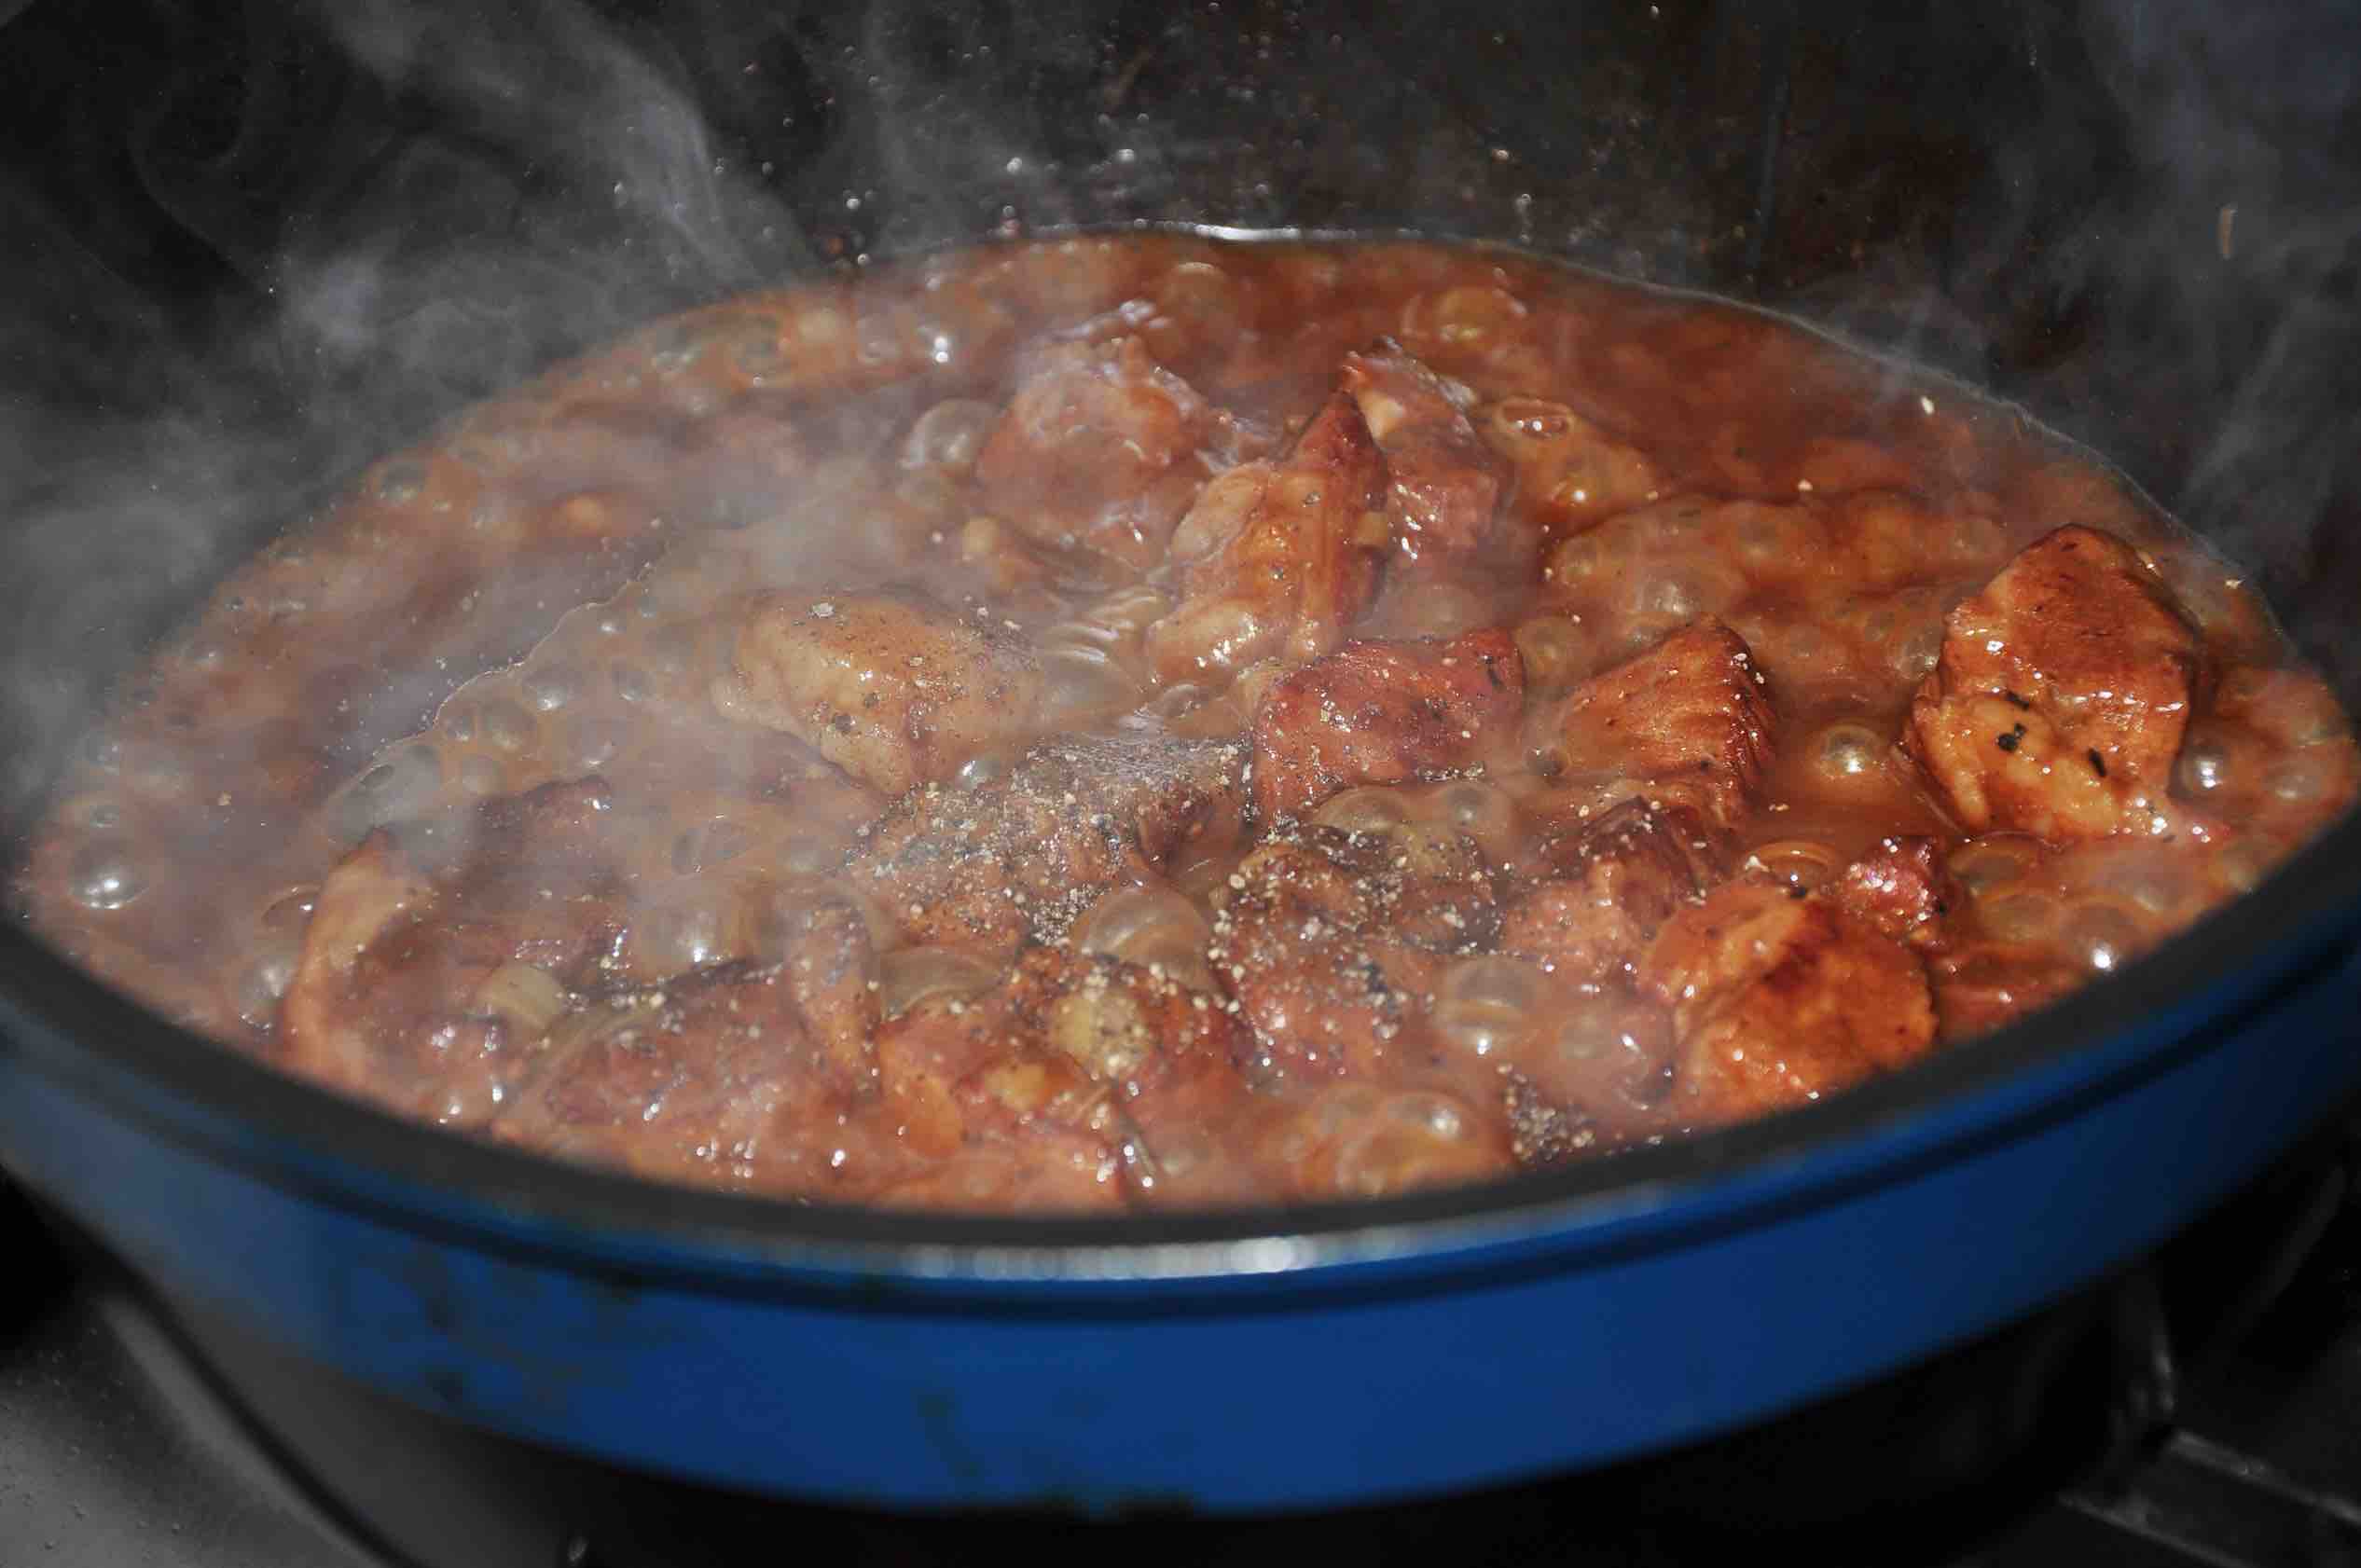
x,y
292,241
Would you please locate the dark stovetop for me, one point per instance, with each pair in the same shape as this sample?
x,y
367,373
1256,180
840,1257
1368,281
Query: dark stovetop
x,y
2203,1409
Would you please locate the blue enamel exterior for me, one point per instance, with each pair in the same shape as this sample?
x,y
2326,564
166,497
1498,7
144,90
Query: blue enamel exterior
x,y
1283,1372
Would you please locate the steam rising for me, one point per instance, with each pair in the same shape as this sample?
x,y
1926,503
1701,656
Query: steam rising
x,y
304,235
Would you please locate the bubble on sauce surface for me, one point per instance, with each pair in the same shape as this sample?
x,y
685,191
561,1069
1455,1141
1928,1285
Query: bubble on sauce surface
x,y
2156,885
395,789
2204,765
2302,781
1553,648
548,690
984,768
1798,863
1443,610
949,434
1412,1139
703,929
807,856
911,975
2244,865
2103,935
1599,1048
270,969
704,845
1158,929
1465,317
630,682
1993,860
1848,750
104,875
1369,809
1485,1004
508,726
2025,917
1483,811
1200,292
1174,702
1078,682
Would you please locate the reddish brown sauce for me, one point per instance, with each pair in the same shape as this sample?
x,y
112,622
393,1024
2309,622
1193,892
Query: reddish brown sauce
x,y
1146,722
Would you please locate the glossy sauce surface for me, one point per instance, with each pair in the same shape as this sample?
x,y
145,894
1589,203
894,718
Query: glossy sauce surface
x,y
1149,722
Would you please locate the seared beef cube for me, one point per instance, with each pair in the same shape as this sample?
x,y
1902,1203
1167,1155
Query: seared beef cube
x,y
1611,883
1277,559
1777,999
1446,484
894,689
1901,888
1381,713
1102,449
1332,941
1023,854
1687,721
2058,701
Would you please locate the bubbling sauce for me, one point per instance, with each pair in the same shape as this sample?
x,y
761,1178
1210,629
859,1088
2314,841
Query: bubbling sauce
x,y
1149,722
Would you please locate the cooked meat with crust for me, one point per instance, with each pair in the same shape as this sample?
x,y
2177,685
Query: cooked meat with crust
x,y
710,1075
1072,1048
414,972
1902,887
1381,713
1101,449
1688,720
1022,856
1778,999
894,689
1276,558
1332,941
1446,484
1604,888
2060,697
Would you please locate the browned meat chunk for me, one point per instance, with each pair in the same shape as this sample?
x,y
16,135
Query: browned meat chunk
x,y
1024,855
1069,1052
2059,701
1381,713
1778,999
1610,883
1686,721
894,689
429,960
1101,449
1276,558
1447,484
710,1076
1332,941
1901,888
